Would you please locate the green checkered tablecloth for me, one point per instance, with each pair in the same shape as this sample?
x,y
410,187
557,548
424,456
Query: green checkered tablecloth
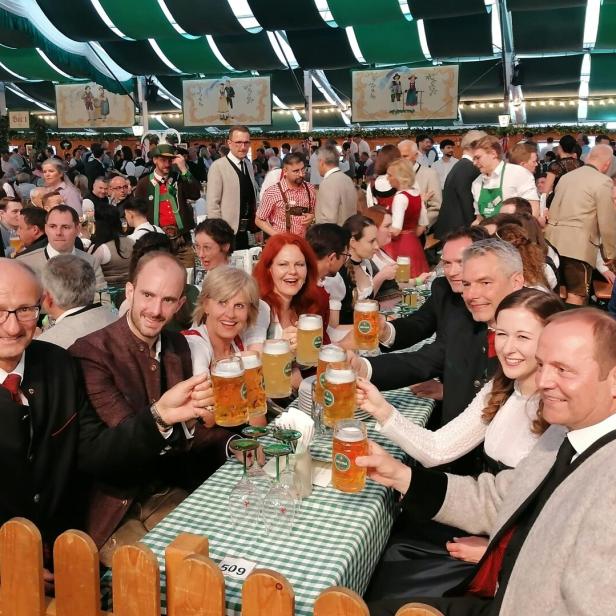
x,y
337,538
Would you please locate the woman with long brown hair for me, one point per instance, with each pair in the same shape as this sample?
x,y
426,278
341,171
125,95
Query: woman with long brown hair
x,y
505,416
380,191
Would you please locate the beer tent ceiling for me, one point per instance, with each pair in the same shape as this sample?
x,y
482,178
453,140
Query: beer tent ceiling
x,y
43,42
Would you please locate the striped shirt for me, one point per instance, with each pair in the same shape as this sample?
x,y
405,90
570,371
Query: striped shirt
x,y
273,207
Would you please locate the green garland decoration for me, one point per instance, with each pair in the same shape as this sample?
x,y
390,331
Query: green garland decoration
x,y
40,138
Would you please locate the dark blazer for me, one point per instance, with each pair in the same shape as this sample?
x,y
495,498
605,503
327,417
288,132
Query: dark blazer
x,y
429,319
122,381
457,209
458,357
93,169
43,445
198,169
187,188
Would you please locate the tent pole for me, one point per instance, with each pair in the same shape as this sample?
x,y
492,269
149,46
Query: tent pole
x,y
143,104
308,98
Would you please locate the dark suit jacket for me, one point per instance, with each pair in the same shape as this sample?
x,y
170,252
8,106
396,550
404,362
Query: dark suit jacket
x,y
429,319
122,381
187,188
458,357
93,169
457,209
43,445
198,169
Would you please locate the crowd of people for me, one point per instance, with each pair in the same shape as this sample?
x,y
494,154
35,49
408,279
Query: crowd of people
x,y
106,345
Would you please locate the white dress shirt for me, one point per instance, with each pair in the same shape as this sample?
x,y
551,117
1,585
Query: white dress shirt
x,y
443,166
143,229
517,182
583,438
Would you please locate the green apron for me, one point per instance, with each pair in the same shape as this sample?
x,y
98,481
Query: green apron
x,y
491,199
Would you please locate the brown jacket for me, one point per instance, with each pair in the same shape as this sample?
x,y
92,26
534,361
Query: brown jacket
x,y
122,380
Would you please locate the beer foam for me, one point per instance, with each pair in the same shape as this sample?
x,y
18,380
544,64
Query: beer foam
x,y
349,434
331,353
250,360
309,322
227,368
366,306
339,376
276,347
403,260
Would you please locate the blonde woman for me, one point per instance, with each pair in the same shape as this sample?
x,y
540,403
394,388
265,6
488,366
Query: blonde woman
x,y
409,217
227,306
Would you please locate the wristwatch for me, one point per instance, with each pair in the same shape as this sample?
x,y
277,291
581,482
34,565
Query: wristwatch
x,y
158,420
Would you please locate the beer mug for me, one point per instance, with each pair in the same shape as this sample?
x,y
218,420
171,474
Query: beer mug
x,y
330,354
15,243
350,441
309,339
339,395
255,387
277,365
230,392
403,269
366,326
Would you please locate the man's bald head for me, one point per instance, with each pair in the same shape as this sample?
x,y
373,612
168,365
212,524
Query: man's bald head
x,y
408,149
12,271
600,157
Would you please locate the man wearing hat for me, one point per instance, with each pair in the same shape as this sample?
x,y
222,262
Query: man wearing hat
x,y
166,192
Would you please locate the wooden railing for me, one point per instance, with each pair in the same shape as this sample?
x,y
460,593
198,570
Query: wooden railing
x,y
195,584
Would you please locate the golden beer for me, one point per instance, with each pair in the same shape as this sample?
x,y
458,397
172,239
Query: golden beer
x,y
255,387
277,367
350,441
15,243
366,324
309,339
230,392
403,269
339,395
329,355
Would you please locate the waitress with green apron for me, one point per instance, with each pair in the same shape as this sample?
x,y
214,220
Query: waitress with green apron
x,y
490,199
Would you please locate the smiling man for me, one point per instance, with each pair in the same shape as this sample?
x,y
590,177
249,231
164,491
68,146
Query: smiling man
x,y
550,519
463,355
127,366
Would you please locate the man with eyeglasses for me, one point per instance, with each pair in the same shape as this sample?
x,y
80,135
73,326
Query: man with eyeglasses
x,y
288,205
49,432
119,192
231,189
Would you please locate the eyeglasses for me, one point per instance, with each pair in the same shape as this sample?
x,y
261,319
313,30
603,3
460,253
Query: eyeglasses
x,y
25,314
244,143
346,255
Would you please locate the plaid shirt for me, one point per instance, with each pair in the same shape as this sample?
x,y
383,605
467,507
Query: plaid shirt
x,y
272,207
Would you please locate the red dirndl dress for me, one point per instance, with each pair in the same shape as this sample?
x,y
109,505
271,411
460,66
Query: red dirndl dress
x,y
407,244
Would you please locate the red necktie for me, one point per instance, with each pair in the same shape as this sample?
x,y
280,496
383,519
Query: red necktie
x,y
12,383
491,348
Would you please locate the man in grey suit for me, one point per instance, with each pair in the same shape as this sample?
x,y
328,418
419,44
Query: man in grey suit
x,y
582,218
231,188
68,287
61,227
337,196
551,519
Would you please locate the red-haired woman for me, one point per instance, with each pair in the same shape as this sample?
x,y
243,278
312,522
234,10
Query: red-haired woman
x,y
287,277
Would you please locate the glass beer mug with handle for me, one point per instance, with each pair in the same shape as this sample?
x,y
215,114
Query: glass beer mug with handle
x,y
339,395
309,339
350,441
230,392
366,326
255,386
403,269
277,367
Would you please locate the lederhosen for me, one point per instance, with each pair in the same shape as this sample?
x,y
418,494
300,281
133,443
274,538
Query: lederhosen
x,y
290,208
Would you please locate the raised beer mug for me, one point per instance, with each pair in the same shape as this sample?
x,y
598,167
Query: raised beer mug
x,y
350,441
255,385
366,326
329,354
309,339
277,367
230,392
339,395
403,269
